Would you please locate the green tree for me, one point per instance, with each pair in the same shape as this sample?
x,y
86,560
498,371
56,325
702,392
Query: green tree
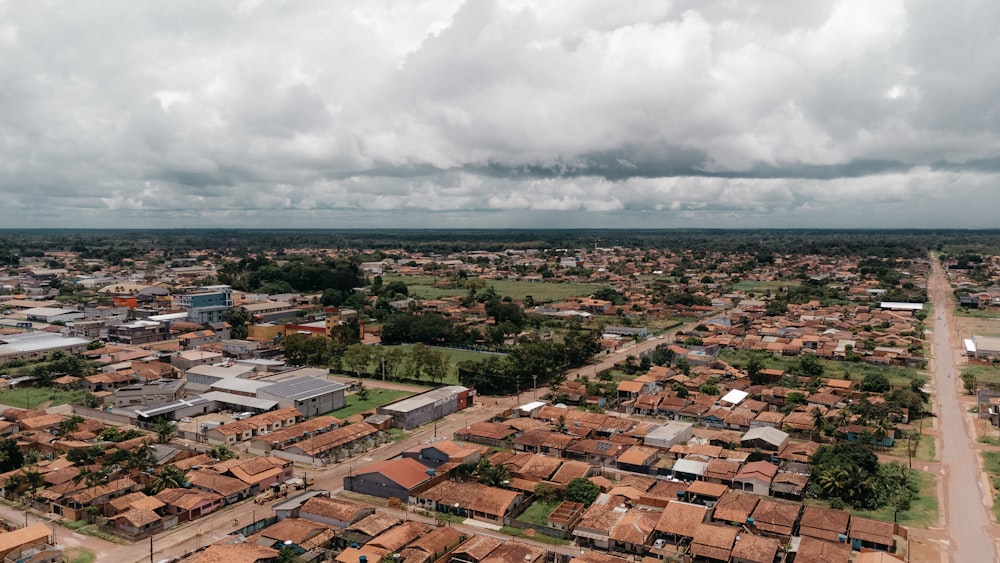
x,y
169,477
875,382
357,357
582,490
809,366
222,453
493,474
164,429
969,381
755,365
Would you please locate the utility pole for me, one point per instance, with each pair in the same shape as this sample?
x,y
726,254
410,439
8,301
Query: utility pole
x,y
151,548
382,360
534,386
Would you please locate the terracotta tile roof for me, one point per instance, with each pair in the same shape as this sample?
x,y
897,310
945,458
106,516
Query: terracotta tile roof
x,y
220,484
472,496
187,499
823,523
334,508
681,518
374,525
437,540
353,554
706,489
304,533
636,526
713,541
395,538
477,547
138,517
756,549
762,470
541,467
776,517
868,530
570,470
10,541
407,472
516,552
821,551
234,553
734,507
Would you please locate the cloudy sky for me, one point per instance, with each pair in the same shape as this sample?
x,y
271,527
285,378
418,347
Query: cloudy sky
x,y
513,113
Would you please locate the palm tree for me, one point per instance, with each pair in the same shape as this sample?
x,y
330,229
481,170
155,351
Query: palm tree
x,y
833,481
142,458
90,477
881,428
164,429
818,423
170,477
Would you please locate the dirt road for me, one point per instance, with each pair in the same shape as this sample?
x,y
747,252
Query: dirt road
x,y
967,519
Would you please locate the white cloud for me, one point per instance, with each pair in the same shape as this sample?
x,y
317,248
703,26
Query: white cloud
x,y
829,113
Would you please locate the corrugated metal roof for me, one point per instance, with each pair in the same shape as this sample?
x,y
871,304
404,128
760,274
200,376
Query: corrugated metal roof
x,y
301,388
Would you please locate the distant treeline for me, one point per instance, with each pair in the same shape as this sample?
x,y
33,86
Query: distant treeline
x,y
118,245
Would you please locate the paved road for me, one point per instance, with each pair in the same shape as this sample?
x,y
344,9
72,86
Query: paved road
x,y
967,519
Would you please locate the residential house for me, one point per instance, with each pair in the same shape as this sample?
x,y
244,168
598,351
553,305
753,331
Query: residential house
x,y
866,533
755,477
734,508
362,531
189,504
295,533
680,520
824,523
392,478
394,539
813,550
764,438
230,488
516,552
632,532
713,542
755,549
442,451
334,512
638,459
234,553
472,500
475,549
775,518
22,539
432,545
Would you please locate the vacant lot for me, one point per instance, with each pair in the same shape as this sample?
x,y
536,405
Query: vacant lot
x,y
541,292
39,397
923,511
855,371
763,286
984,374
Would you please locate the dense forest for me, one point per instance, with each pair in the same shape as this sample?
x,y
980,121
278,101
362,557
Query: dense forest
x,y
118,245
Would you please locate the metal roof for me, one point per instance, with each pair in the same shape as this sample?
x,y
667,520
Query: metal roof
x,y
158,410
301,388
233,399
426,398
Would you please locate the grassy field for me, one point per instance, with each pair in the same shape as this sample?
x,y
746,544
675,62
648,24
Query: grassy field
x,y
855,371
763,286
991,463
984,374
541,538
541,292
976,313
925,449
376,398
34,397
923,511
79,555
538,512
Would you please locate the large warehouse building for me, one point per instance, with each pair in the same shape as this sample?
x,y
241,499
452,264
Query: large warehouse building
x,y
429,406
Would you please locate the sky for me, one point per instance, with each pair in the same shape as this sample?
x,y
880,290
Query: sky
x,y
500,114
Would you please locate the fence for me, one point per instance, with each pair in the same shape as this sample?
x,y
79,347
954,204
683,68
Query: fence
x,y
104,415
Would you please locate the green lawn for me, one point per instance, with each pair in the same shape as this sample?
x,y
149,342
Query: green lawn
x,y
925,449
989,440
764,285
32,397
376,398
541,292
541,538
79,555
984,374
976,313
538,512
923,511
